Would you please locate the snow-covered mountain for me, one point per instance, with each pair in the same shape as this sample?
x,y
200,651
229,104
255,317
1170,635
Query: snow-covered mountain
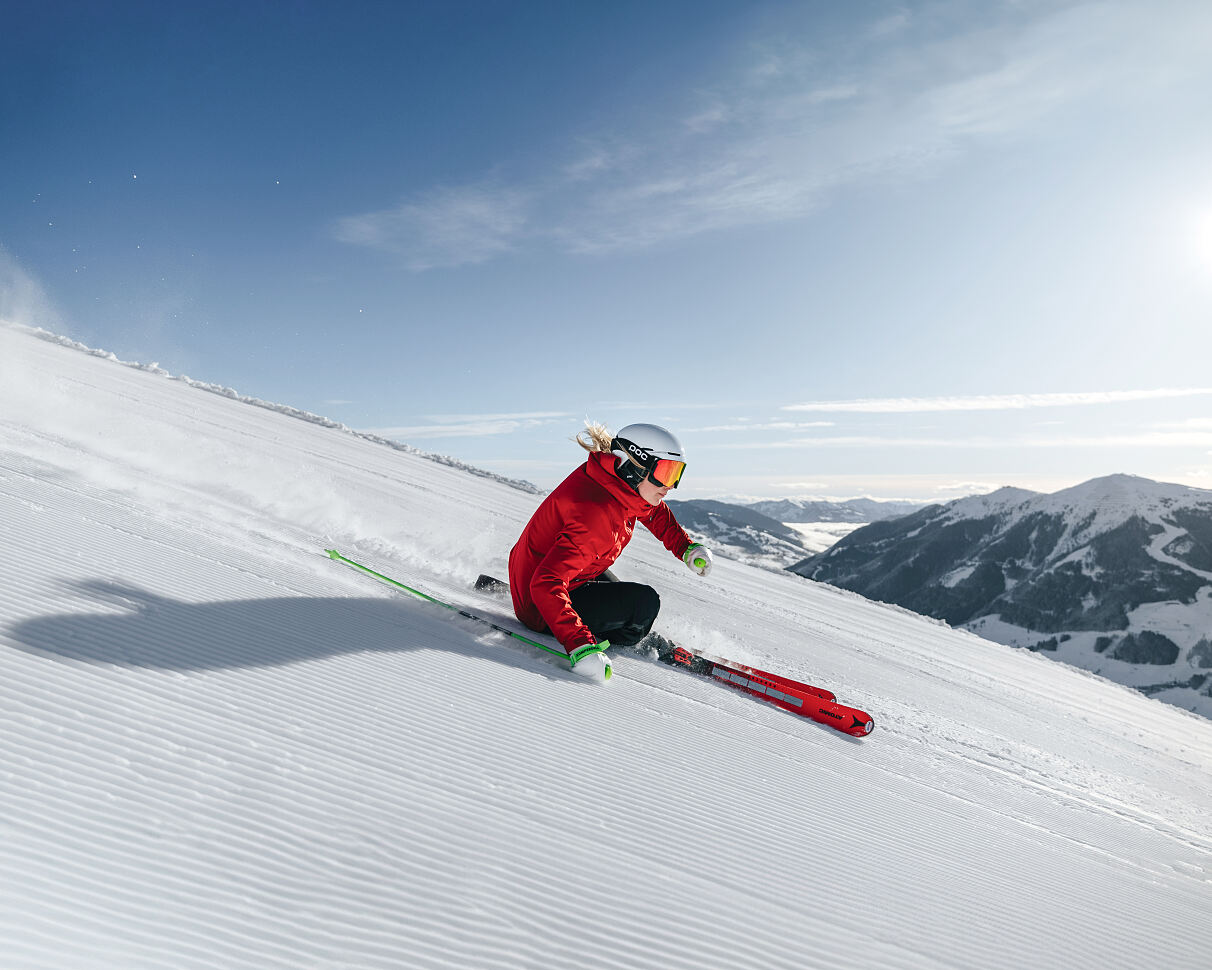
x,y
1114,575
740,532
754,534
220,749
857,510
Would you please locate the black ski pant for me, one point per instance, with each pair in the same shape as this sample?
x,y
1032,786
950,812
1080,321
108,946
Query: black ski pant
x,y
622,613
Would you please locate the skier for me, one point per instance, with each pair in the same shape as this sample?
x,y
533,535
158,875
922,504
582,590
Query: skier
x,y
559,574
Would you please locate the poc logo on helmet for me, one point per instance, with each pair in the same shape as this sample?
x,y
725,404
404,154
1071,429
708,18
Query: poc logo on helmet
x,y
639,452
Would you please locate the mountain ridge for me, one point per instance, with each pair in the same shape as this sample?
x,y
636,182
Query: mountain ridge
x,y
1113,575
752,532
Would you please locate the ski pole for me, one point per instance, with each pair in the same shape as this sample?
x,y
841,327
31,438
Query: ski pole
x,y
578,654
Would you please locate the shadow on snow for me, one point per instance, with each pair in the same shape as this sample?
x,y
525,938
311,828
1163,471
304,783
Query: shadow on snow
x,y
158,632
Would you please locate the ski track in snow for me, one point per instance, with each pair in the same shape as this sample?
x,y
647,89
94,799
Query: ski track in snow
x,y
222,749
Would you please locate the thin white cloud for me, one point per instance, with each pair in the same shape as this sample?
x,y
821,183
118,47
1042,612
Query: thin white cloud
x,y
776,136
471,425
421,431
1190,424
510,416
1197,477
446,227
966,488
1151,439
763,426
994,402
891,24
652,409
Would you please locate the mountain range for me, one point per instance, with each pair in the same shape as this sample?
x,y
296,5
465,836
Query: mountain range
x,y
1113,575
766,533
740,532
858,510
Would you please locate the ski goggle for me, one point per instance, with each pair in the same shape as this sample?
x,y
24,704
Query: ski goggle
x,y
666,472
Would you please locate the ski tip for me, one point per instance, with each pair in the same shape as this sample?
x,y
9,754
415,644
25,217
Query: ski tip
x,y
487,584
333,554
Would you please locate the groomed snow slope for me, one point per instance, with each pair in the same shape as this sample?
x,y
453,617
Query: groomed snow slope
x,y
220,749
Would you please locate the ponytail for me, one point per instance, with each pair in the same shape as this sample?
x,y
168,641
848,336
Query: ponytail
x,y
595,437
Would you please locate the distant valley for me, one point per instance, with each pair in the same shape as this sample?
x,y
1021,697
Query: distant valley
x,y
779,533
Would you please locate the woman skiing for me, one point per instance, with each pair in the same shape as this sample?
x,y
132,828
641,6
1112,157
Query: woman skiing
x,y
558,570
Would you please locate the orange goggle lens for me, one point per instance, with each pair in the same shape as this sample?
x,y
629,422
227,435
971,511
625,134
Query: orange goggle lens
x,y
667,472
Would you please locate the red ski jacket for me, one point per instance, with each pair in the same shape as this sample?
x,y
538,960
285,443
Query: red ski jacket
x,y
574,536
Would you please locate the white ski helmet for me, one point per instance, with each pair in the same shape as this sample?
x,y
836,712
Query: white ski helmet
x,y
649,451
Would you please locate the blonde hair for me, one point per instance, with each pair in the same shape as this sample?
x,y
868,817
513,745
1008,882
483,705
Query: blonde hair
x,y
595,437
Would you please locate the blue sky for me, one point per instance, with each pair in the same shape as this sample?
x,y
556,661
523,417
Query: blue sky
x,y
894,249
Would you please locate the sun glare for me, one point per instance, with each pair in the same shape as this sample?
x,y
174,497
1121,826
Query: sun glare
x,y
1203,239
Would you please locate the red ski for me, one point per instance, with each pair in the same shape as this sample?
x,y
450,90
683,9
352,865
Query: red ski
x,y
803,699
791,695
